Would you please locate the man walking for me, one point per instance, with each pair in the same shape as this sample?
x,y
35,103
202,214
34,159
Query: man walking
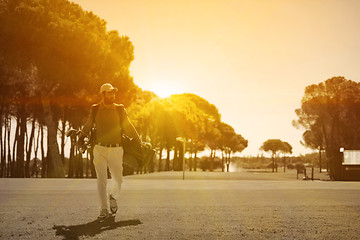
x,y
106,118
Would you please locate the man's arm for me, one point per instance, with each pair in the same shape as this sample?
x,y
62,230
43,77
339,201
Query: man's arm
x,y
129,128
86,129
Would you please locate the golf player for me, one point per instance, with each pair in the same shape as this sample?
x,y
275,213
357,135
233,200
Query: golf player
x,y
108,152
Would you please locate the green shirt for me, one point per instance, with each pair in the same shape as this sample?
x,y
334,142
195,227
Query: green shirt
x,y
107,122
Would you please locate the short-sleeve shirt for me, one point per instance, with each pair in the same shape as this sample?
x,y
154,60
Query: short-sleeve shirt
x,y
107,122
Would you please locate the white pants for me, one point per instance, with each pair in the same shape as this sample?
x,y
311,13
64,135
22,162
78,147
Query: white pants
x,y
111,157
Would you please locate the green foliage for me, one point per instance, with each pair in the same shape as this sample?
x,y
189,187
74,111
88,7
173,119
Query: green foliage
x,y
261,162
70,49
56,56
189,116
276,145
252,162
330,114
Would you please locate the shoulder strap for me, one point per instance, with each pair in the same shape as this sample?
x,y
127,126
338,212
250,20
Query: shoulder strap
x,y
94,109
120,109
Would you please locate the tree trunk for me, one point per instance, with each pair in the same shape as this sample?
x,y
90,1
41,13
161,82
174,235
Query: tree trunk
x,y
43,158
228,162
3,155
2,146
87,165
63,140
152,165
284,163
334,153
28,152
181,157
222,161
5,145
36,148
14,154
335,163
211,160
167,164
177,160
195,161
63,131
320,158
20,150
3,151
81,166
72,156
190,161
160,159
8,169
55,165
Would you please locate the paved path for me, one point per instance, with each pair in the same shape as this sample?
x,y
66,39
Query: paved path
x,y
155,208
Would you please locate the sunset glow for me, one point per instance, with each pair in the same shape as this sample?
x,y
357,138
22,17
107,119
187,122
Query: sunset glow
x,y
252,59
164,91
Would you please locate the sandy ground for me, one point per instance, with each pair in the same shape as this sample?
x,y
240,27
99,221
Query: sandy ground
x,y
245,205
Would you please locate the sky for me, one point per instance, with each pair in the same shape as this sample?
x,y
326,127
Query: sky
x,y
251,59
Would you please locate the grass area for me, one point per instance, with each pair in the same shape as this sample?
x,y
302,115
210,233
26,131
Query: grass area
x,y
241,174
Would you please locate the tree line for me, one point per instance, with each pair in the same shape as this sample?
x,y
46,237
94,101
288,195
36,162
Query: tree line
x,y
192,118
262,162
276,147
54,56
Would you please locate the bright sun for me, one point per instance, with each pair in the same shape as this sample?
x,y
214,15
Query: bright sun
x,y
165,90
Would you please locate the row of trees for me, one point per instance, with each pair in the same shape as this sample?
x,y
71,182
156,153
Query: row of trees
x,y
330,115
162,121
53,58
288,161
276,147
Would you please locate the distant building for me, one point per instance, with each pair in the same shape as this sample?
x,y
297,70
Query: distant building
x,y
350,165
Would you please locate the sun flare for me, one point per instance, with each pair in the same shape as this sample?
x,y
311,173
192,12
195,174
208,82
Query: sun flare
x,y
165,90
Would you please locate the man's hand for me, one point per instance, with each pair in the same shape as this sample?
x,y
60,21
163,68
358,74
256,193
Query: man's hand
x,y
81,141
82,145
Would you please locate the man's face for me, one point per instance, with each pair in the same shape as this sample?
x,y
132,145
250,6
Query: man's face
x,y
109,97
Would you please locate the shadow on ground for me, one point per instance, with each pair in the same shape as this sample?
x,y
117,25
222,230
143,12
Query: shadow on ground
x,y
92,228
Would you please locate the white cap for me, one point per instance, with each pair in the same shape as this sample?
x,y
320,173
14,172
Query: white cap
x,y
107,87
